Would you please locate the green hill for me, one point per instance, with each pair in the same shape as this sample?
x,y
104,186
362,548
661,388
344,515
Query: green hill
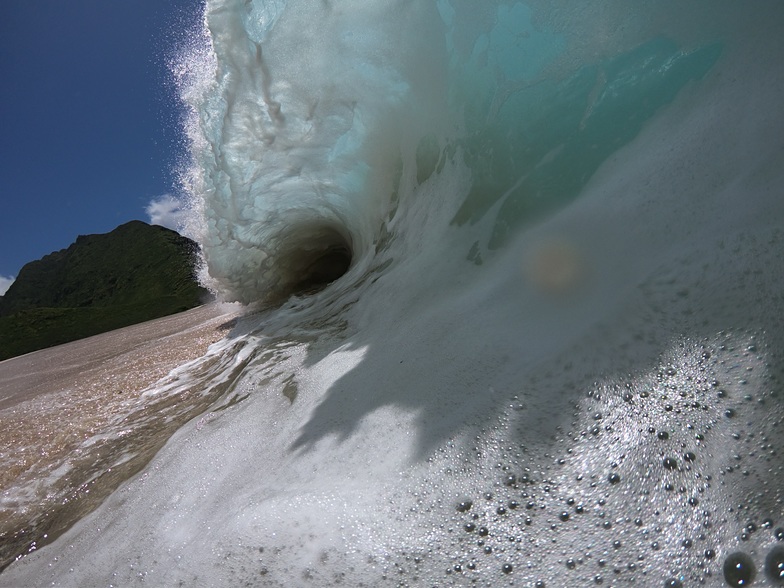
x,y
135,273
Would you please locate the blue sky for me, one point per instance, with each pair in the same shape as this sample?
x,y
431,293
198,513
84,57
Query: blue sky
x,y
89,119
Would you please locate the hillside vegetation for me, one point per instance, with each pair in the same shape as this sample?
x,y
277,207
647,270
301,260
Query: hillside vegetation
x,y
135,273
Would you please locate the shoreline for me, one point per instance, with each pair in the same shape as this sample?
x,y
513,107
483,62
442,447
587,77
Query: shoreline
x,y
161,342
56,402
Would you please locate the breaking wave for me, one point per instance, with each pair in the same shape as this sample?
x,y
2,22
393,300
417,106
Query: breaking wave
x,y
516,284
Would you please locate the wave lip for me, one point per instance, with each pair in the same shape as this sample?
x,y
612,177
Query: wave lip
x,y
295,146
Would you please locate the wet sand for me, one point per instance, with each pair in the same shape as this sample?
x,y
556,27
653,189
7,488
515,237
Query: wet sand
x,y
53,399
56,405
127,360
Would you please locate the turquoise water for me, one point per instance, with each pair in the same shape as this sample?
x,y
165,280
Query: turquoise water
x,y
555,355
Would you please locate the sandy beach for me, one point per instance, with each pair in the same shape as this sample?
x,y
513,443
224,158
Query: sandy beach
x,y
54,401
146,352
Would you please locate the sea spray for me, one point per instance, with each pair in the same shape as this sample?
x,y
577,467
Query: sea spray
x,y
297,142
556,356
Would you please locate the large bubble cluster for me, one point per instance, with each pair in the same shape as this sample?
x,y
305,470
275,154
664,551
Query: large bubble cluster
x,y
615,501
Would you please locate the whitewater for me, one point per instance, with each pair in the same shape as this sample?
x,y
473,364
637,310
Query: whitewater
x,y
513,298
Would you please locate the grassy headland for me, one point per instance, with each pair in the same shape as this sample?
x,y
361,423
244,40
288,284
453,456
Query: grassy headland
x,y
135,273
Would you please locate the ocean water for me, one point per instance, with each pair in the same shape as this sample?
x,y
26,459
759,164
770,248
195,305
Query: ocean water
x,y
514,286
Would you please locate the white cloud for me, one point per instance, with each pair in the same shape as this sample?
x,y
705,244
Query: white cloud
x,y
5,283
167,211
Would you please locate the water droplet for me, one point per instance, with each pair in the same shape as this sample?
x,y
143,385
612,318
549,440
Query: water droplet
x,y
779,534
613,478
774,565
739,570
670,463
464,506
506,568
564,516
663,435
673,583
